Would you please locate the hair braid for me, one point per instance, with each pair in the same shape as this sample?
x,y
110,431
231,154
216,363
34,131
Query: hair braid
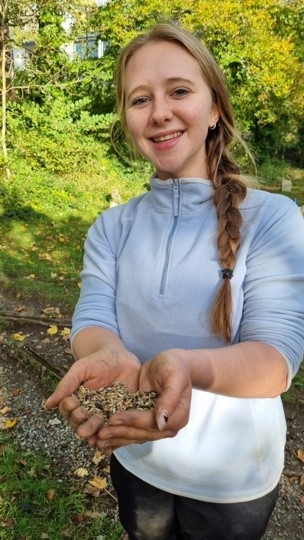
x,y
229,191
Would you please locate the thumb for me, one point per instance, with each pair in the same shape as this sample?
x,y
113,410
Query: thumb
x,y
68,384
162,419
172,409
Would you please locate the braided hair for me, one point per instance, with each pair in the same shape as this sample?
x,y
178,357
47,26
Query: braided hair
x,y
224,173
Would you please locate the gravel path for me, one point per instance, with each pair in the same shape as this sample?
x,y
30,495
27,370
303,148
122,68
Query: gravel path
x,y
23,392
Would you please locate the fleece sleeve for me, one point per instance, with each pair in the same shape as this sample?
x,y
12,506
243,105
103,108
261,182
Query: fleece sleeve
x,y
273,308
97,301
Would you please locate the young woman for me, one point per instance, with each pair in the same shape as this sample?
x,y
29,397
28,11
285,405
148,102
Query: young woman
x,y
195,290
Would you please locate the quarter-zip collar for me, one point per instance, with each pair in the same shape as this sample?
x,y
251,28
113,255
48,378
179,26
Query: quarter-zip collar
x,y
180,195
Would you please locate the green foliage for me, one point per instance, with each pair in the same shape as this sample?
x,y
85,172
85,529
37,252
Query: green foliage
x,y
58,135
257,43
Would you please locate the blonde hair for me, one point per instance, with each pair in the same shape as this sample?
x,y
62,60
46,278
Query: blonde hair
x,y
229,186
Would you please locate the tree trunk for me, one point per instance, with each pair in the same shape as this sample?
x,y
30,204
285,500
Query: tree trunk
x,y
4,7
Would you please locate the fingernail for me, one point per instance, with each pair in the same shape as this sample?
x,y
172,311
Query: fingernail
x,y
162,420
46,406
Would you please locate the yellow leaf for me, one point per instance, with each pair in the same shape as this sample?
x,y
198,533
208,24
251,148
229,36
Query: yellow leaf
x,y
98,455
65,332
81,472
50,495
18,337
99,483
31,276
52,329
300,455
10,423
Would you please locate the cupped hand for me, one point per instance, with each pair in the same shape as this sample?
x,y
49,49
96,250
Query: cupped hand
x,y
102,368
99,369
168,375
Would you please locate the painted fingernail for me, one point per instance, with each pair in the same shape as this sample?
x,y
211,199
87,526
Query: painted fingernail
x,y
162,420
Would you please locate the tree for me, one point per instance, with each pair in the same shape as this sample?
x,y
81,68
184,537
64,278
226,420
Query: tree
x,y
258,44
37,31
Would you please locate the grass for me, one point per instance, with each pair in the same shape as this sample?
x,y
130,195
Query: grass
x,y
35,506
43,223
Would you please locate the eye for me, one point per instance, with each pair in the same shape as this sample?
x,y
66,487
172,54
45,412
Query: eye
x,y
142,100
180,92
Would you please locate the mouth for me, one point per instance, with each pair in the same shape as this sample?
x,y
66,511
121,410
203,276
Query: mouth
x,y
168,137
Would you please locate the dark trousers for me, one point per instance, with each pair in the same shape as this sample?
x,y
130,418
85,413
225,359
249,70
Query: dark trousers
x,y
148,513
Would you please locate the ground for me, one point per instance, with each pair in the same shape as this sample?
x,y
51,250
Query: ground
x,y
34,341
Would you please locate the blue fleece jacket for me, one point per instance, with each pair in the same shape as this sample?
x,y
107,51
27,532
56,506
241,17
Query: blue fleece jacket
x,y
151,271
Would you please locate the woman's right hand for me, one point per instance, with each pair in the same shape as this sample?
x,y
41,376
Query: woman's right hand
x,y
99,369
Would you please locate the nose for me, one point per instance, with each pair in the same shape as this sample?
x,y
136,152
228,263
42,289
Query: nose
x,y
161,111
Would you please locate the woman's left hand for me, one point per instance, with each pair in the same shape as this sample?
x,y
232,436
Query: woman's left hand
x,y
168,375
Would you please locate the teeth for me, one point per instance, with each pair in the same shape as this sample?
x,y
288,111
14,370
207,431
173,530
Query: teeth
x,y
168,137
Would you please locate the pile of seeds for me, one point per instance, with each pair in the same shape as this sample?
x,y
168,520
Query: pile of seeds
x,y
114,398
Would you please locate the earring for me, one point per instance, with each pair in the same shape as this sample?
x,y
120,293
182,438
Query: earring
x,y
212,127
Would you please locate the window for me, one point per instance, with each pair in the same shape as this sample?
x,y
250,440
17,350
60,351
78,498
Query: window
x,y
90,47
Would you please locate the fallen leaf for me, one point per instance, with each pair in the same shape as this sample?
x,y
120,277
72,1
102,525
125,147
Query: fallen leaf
x,y
45,256
300,455
81,472
302,480
16,392
50,495
65,333
51,311
91,490
52,330
98,482
8,522
10,423
5,410
97,457
31,276
18,336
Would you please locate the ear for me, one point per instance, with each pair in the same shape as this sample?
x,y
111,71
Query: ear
x,y
214,115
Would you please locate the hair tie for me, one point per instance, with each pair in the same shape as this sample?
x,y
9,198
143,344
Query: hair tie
x,y
227,273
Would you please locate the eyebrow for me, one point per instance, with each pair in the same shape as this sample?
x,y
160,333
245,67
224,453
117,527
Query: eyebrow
x,y
170,80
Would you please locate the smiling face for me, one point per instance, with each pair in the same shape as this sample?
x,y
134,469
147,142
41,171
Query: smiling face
x,y
169,109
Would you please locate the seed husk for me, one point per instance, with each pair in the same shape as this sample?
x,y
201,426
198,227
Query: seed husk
x,y
114,398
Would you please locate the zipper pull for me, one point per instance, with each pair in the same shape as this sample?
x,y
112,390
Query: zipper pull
x,y
176,197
